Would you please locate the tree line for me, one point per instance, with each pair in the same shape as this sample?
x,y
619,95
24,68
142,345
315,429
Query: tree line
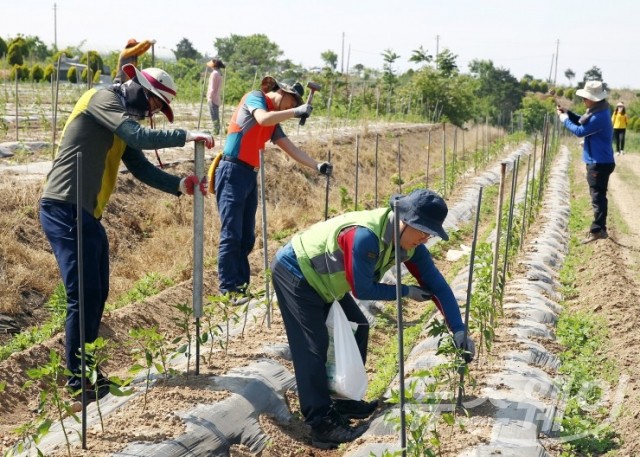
x,y
437,90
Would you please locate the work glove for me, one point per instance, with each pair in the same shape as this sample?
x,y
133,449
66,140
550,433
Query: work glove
x,y
201,136
189,183
562,115
466,345
325,168
302,110
418,293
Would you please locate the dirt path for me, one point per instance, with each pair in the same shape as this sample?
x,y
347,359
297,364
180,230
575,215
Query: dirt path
x,y
608,286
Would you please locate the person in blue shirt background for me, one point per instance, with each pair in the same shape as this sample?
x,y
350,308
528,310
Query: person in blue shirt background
x,y
596,129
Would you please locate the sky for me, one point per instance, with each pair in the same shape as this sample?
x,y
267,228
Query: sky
x,y
521,36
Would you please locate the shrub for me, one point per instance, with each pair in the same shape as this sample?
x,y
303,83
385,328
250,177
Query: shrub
x,y
72,75
36,73
49,71
19,71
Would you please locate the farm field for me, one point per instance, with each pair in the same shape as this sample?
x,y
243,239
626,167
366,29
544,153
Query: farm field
x,y
151,239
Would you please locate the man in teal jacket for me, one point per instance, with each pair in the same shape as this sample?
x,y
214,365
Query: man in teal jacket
x,y
351,253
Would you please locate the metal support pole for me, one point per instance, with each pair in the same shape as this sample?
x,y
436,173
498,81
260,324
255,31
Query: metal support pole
x,y
444,161
396,242
524,209
265,238
376,171
428,157
514,183
81,314
399,168
469,289
17,106
355,204
496,244
198,245
326,193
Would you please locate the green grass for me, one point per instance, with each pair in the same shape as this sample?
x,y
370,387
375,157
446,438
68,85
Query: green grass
x,y
150,285
583,335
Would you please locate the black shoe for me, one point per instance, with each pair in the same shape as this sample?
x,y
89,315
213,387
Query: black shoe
x,y
91,394
333,430
353,409
593,236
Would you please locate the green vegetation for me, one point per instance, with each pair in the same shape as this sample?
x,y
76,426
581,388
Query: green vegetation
x,y
148,286
438,90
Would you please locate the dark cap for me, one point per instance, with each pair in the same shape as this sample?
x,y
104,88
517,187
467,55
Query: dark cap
x,y
269,84
423,210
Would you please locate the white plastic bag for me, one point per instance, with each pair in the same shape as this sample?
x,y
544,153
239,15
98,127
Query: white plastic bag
x,y
345,371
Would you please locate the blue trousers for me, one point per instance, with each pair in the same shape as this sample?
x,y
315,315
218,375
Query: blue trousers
x,y
237,199
304,314
58,220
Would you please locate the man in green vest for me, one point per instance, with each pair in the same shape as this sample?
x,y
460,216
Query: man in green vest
x,y
351,253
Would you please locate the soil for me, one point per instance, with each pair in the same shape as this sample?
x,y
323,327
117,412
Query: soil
x,y
139,218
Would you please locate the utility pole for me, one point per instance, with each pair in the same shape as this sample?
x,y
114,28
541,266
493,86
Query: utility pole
x,y
437,49
55,28
551,68
342,55
555,75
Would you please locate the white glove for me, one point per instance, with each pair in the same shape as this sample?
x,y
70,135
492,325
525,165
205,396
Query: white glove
x,y
563,117
468,346
201,136
418,293
302,110
325,168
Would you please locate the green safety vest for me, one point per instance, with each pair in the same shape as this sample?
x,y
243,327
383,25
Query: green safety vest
x,y
321,259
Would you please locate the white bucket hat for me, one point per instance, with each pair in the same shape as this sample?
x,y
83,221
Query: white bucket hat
x,y
156,81
593,90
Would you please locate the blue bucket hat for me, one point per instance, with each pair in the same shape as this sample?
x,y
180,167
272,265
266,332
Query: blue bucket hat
x,y
423,210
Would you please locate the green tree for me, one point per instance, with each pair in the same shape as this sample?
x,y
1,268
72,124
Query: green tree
x,y
95,61
499,90
185,50
3,48
446,63
533,112
251,56
420,55
592,74
18,51
37,50
389,77
570,75
445,98
330,60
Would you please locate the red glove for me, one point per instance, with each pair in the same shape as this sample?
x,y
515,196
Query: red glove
x,y
188,185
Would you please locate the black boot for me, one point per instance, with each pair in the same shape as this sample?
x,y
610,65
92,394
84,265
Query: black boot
x,y
353,409
333,430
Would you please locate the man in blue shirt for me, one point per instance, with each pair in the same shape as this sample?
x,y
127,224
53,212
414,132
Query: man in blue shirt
x,y
595,127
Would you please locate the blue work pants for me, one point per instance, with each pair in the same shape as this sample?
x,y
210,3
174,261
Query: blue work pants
x,y
237,198
59,222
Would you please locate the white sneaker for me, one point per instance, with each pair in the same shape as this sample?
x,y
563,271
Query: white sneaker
x,y
621,152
